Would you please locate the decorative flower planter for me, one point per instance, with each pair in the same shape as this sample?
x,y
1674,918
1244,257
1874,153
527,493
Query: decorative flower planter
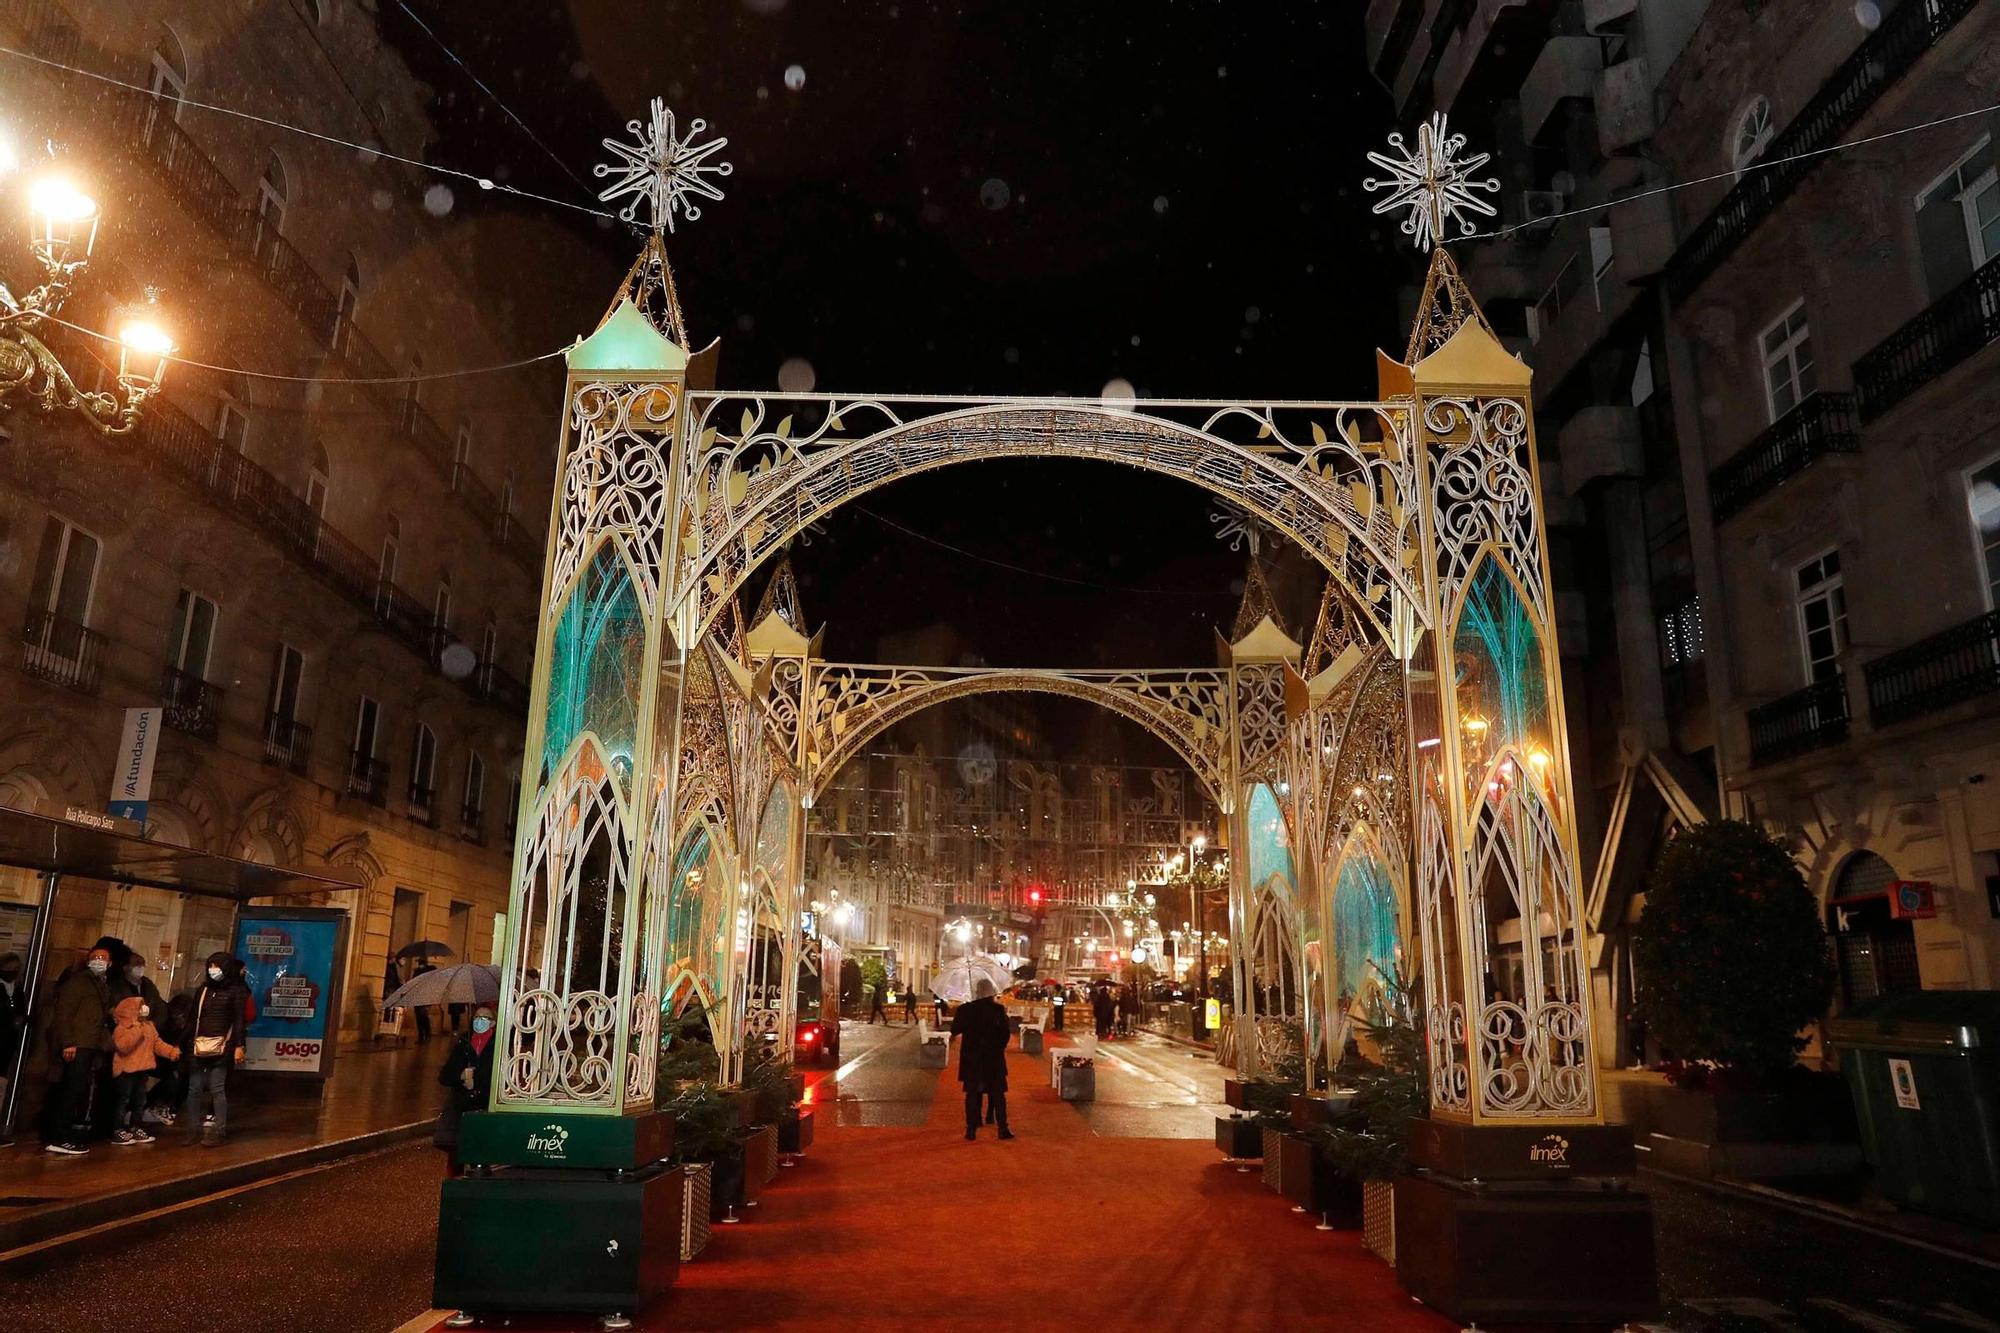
x,y
1274,1159
697,1178
1315,1185
795,1131
1234,1094
725,1185
760,1161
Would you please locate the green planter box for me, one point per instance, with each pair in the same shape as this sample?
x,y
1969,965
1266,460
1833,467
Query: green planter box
x,y
546,1240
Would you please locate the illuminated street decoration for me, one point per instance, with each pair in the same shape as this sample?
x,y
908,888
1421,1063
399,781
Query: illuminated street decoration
x,y
664,171
1408,766
1433,183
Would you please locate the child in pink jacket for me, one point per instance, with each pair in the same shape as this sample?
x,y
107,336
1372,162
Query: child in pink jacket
x,y
135,1044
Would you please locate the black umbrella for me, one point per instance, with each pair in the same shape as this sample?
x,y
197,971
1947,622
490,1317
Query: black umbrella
x,y
425,949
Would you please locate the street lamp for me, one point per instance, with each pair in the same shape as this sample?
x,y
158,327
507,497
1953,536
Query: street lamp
x,y
63,234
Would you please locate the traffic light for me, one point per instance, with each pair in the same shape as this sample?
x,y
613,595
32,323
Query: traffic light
x,y
1035,896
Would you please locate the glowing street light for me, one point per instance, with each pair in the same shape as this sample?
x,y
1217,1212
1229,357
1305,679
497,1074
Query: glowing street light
x,y
64,231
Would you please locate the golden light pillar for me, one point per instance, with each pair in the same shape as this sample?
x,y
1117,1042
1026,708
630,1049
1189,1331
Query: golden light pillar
x,y
1263,916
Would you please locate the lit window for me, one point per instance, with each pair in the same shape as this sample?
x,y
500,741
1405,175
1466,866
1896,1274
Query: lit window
x,y
1786,346
1983,493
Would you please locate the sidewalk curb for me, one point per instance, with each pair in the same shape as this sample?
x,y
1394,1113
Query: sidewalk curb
x,y
26,1242
1189,1042
1830,1212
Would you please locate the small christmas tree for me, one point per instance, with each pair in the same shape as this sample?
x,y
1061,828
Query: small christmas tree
x,y
1730,954
1369,1141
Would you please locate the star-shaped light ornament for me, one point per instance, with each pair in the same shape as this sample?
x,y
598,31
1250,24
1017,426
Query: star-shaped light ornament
x,y
665,170
1434,183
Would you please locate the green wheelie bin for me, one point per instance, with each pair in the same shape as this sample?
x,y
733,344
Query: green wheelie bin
x,y
1924,1071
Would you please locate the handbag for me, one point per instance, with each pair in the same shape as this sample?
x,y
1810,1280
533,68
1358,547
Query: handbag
x,y
208,1048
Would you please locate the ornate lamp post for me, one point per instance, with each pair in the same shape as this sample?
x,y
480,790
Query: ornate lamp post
x,y
65,231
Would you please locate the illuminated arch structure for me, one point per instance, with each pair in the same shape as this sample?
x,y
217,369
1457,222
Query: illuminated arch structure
x,y
1413,752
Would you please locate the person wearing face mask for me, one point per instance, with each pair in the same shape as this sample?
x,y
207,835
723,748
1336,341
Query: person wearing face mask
x,y
79,1035
215,1043
137,1048
467,1076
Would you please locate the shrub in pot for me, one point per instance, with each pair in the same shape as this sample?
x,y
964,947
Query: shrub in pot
x,y
1730,954
705,1133
1367,1141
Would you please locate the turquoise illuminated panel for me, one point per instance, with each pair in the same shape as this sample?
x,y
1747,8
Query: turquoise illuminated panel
x,y
596,665
1364,925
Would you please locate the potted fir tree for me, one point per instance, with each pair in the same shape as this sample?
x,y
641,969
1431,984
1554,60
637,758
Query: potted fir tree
x,y
1366,1143
1732,967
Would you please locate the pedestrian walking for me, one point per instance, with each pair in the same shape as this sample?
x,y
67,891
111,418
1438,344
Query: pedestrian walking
x,y
136,1050
875,1009
1128,1009
909,1004
1100,1009
1057,1003
422,1011
216,1044
981,1027
467,1078
79,1036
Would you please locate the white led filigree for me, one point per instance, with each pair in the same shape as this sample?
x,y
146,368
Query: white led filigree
x,y
664,170
1434,183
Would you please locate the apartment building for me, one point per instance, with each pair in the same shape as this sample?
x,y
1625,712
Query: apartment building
x,y
1758,397
328,587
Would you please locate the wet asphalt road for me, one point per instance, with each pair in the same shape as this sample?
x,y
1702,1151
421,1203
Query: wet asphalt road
x,y
349,1248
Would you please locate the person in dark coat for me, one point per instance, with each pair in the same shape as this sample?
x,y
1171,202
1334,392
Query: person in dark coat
x,y
13,1013
218,1020
467,1077
981,1026
79,1041
1100,1009
422,1011
910,1004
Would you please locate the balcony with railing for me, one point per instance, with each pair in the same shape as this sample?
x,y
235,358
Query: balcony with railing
x,y
472,825
423,803
1905,34
189,703
368,778
287,742
1823,424
1803,721
1947,668
1951,331
62,652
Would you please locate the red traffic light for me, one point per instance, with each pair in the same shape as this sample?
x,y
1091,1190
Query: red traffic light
x,y
1034,895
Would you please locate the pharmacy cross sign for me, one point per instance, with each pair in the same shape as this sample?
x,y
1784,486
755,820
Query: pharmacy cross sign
x,y
1434,183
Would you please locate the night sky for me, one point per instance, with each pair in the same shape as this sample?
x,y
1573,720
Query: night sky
x,y
992,198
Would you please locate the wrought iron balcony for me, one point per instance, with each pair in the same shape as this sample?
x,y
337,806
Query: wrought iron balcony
x,y
1808,719
472,824
498,686
1823,424
423,808
287,742
1967,319
368,778
1961,663
1905,34
62,652
190,703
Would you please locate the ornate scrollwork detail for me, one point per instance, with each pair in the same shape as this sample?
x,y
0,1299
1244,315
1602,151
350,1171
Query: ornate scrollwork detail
x,y
1483,492
615,478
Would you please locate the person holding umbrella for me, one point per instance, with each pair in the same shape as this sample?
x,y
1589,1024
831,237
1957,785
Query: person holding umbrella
x,y
421,954
981,1026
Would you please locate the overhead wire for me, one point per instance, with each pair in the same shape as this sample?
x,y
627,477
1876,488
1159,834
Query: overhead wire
x,y
480,83
1734,174
377,150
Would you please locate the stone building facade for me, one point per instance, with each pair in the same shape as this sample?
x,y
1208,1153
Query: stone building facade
x,y
1767,396
328,586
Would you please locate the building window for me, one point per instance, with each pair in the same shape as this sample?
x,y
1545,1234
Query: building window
x,y
1680,633
1786,347
1958,220
441,605
413,392
423,769
169,78
193,635
349,304
1982,493
475,791
461,455
367,729
1822,603
1751,133
288,671
232,424
1562,293
65,579
385,570
273,192
1600,262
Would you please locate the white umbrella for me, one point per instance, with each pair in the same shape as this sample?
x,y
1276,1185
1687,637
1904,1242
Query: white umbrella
x,y
956,976
465,983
